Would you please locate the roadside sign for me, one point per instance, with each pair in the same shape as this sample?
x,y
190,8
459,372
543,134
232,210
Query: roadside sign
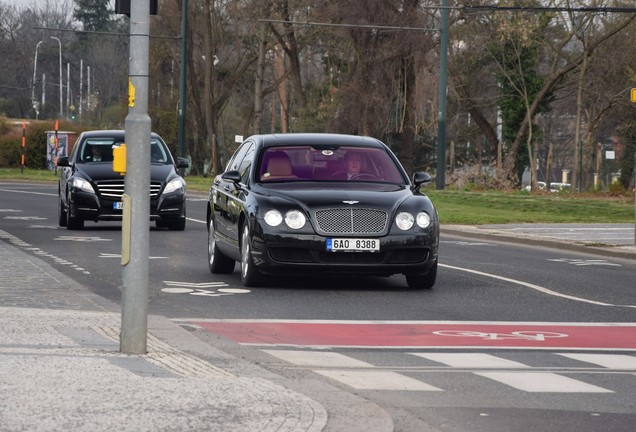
x,y
633,94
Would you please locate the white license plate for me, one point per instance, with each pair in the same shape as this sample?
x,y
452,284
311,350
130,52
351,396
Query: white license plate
x,y
118,205
353,245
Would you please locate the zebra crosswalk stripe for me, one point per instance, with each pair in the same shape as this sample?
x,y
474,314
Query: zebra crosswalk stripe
x,y
612,361
360,375
542,382
377,380
471,360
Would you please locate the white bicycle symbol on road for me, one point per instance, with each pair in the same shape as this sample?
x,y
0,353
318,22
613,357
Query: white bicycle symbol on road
x,y
526,335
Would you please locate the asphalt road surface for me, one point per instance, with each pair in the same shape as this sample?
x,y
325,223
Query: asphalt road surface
x,y
511,337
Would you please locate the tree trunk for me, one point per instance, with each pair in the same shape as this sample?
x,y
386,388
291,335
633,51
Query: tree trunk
x,y
548,165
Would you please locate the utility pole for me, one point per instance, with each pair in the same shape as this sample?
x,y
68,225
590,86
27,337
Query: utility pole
x,y
183,100
60,45
34,103
440,178
134,319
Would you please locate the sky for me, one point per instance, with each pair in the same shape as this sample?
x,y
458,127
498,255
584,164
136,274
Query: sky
x,y
26,3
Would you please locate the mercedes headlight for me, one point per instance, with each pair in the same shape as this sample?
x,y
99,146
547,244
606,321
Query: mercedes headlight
x,y
173,185
82,184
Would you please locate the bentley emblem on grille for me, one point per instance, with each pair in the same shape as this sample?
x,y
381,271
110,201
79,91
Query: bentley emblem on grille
x,y
351,202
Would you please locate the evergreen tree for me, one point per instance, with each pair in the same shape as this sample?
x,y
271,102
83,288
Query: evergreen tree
x,y
93,14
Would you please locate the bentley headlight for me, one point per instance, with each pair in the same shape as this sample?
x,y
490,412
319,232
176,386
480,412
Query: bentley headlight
x,y
423,220
273,218
174,185
295,219
82,184
404,221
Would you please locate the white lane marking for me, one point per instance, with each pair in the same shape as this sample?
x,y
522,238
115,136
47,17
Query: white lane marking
x,y
10,211
542,382
28,192
441,322
377,380
198,289
111,255
81,239
177,290
234,290
37,251
194,284
585,229
28,218
535,287
472,360
611,361
195,220
585,262
466,243
318,359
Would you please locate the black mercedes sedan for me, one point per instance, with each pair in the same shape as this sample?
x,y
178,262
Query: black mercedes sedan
x,y
322,203
90,190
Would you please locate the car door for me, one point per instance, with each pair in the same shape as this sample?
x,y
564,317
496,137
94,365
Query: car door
x,y
224,196
66,173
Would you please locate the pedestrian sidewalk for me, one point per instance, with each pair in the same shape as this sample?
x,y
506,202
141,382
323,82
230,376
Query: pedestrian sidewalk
x,y
61,369
611,240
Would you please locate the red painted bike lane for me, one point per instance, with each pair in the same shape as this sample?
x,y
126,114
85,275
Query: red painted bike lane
x,y
604,336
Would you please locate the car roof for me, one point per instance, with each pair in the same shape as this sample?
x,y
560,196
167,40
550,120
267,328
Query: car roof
x,y
111,133
303,139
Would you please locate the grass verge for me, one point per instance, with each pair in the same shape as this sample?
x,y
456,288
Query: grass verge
x,y
467,208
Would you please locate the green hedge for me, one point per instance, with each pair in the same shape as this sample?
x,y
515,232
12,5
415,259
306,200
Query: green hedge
x,y
35,149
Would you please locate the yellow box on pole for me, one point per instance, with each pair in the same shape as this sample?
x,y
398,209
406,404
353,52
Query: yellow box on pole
x,y
119,159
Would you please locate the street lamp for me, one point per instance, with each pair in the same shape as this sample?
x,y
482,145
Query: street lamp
x,y
60,45
35,67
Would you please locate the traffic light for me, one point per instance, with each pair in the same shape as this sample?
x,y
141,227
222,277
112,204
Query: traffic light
x,y
123,7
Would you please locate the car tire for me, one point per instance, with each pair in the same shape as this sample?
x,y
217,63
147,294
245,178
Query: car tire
x,y
250,276
72,222
61,213
177,225
422,281
217,262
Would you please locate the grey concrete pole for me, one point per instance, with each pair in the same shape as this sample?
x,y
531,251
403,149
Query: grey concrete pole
x,y
134,319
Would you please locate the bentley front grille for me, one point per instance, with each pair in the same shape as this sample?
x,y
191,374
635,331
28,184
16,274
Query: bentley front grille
x,y
351,221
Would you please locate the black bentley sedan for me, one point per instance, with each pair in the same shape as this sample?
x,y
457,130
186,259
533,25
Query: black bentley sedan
x,y
300,203
90,190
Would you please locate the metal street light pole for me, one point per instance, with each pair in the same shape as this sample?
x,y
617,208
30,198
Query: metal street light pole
x,y
60,45
183,101
35,67
440,177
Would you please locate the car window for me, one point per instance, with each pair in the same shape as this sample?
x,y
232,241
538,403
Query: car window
x,y
308,163
159,153
246,164
235,163
97,150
